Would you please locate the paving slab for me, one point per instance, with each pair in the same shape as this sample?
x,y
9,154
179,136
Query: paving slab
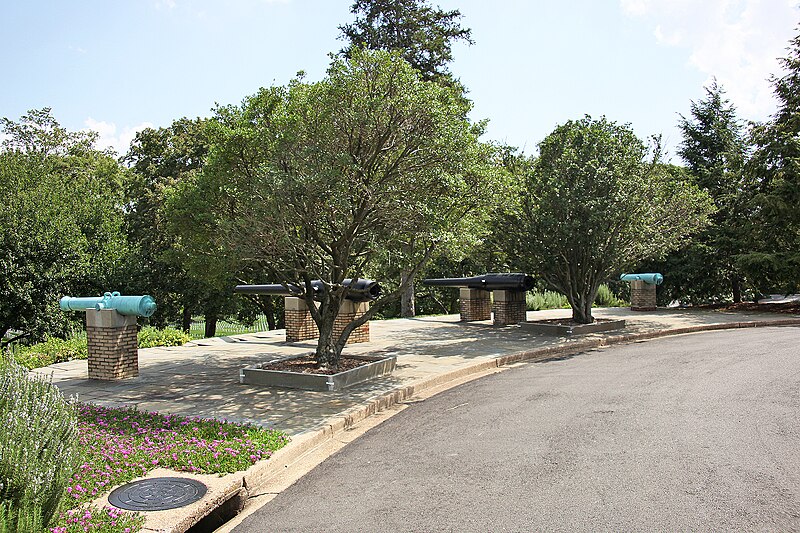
x,y
201,378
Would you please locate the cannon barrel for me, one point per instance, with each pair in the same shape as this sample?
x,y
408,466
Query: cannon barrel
x,y
362,290
511,281
651,278
125,305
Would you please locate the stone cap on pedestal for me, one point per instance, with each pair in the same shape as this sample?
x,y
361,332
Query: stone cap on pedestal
x,y
108,318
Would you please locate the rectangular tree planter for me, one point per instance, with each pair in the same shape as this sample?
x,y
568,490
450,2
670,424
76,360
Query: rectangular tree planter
x,y
373,367
564,330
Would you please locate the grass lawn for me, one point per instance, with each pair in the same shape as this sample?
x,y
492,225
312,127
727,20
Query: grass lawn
x,y
122,444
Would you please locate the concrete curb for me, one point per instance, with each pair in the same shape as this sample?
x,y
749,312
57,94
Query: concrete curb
x,y
257,476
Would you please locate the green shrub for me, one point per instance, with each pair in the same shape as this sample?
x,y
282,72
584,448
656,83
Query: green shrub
x,y
150,337
38,448
606,298
536,301
51,351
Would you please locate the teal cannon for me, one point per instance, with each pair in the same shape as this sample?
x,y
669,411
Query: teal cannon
x,y
649,278
125,305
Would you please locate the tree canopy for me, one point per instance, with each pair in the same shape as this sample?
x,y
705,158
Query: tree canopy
x,y
594,204
773,256
714,150
342,178
421,34
59,222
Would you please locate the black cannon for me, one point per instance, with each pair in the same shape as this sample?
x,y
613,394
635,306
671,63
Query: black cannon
x,y
511,281
362,290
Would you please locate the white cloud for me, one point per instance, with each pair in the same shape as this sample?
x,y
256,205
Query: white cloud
x,y
108,136
736,41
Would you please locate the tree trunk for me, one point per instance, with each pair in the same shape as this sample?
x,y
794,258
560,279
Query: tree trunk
x,y
407,307
269,311
582,310
212,315
736,288
186,319
328,349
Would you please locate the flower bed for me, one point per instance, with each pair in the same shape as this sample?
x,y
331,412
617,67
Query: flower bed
x,y
122,444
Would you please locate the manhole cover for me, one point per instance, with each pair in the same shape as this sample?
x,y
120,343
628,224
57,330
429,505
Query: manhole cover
x,y
157,494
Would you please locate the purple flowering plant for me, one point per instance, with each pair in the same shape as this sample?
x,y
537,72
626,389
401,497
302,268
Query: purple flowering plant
x,y
121,444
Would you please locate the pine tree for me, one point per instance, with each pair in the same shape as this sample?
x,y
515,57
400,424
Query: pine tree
x,y
774,258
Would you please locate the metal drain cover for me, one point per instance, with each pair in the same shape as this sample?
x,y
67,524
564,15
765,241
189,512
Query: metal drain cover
x,y
157,494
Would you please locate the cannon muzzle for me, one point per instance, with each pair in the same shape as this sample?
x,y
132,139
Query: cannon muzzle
x,y
511,281
651,278
125,305
362,290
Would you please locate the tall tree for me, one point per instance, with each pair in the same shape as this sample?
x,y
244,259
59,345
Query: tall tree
x,y
422,34
714,150
368,168
773,259
593,205
60,222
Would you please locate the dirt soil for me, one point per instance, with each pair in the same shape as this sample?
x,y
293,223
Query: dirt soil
x,y
307,365
791,308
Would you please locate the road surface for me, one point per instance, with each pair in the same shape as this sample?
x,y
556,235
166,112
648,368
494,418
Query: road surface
x,y
695,432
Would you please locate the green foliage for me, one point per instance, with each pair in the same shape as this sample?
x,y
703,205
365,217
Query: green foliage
x,y
714,150
38,448
593,205
59,222
160,160
606,298
422,35
51,351
368,172
150,337
772,260
537,300
54,350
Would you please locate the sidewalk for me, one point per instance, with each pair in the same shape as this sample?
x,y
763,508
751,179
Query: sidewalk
x,y
201,378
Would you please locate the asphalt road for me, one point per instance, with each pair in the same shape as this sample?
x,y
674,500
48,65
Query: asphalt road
x,y
696,432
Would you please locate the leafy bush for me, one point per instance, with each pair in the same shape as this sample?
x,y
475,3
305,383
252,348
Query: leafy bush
x,y
150,337
55,350
51,351
606,298
38,449
536,300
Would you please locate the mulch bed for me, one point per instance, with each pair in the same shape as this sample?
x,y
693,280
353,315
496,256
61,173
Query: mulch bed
x,y
307,365
790,308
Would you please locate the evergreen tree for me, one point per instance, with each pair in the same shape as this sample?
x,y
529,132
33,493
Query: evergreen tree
x,y
714,151
423,35
774,258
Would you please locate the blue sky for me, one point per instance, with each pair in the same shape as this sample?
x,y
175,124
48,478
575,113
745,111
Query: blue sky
x,y
118,66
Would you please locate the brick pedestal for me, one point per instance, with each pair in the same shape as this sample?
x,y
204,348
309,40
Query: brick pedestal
x,y
300,326
348,312
474,304
509,307
643,296
112,345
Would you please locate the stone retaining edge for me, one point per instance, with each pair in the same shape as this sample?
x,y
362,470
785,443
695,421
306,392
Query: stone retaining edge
x,y
259,474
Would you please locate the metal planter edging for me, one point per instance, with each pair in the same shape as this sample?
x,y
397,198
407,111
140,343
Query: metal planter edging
x,y
261,375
